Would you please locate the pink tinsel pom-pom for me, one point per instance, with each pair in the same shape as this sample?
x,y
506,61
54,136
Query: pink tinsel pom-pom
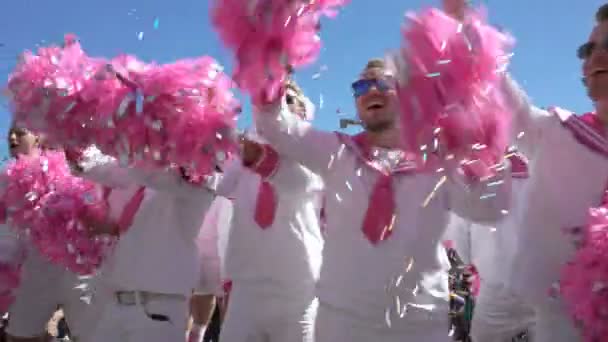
x,y
584,280
44,88
449,89
267,36
58,233
25,181
46,202
181,113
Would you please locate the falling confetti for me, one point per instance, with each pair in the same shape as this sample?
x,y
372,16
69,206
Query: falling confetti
x,y
156,23
140,36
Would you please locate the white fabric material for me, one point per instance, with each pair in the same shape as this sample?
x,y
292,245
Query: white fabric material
x,y
554,324
333,325
43,287
211,242
256,315
568,179
500,315
498,311
120,323
355,272
158,253
294,239
274,270
12,248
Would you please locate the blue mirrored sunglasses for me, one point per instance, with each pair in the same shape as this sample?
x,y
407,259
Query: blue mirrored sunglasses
x,y
363,86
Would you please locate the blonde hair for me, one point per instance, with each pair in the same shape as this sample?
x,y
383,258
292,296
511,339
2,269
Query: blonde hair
x,y
374,63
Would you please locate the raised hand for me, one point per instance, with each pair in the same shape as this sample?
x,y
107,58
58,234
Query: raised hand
x,y
456,8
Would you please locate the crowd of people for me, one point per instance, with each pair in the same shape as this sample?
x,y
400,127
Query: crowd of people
x,y
311,235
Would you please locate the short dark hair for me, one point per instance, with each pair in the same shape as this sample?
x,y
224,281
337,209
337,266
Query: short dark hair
x,y
602,13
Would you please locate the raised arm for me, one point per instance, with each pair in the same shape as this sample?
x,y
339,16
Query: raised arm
x,y
296,139
173,181
93,165
284,173
530,123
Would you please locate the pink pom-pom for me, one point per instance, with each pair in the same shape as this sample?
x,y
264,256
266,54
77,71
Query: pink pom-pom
x,y
584,280
58,233
451,93
268,36
181,113
26,180
44,88
46,202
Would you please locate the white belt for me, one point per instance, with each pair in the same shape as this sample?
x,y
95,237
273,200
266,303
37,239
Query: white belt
x,y
130,298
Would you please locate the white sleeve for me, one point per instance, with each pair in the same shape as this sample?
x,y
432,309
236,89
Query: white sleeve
x,y
12,248
295,138
529,122
102,169
171,181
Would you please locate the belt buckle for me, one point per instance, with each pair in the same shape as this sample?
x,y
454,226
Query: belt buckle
x,y
127,298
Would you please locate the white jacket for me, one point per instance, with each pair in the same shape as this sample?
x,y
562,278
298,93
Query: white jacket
x,y
285,258
567,179
355,272
158,253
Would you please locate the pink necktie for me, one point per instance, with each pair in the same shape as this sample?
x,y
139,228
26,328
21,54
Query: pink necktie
x,y
380,214
266,201
2,213
128,214
265,206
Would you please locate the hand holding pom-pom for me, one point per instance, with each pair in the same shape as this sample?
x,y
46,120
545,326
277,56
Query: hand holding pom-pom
x,y
268,35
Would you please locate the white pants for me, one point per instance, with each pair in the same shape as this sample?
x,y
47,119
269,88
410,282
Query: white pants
x,y
43,288
500,315
553,324
257,316
336,326
140,323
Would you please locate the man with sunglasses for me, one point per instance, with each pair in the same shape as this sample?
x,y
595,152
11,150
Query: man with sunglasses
x,y
385,215
569,160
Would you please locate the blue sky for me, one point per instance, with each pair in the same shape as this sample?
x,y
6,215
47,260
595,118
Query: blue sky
x,y
547,32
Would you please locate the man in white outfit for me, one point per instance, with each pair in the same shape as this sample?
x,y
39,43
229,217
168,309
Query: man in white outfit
x,y
385,217
500,315
145,284
44,285
569,159
273,255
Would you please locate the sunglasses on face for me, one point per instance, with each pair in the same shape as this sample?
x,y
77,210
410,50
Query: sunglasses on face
x,y
363,86
586,50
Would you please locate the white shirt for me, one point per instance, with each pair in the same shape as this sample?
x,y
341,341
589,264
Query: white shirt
x,y
355,273
568,178
285,258
158,253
